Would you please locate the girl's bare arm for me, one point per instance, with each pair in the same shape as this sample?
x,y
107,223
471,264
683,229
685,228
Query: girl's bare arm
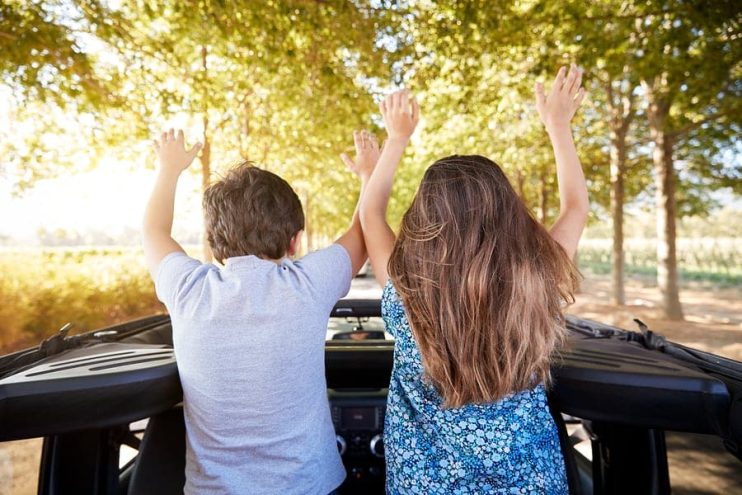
x,y
556,111
400,117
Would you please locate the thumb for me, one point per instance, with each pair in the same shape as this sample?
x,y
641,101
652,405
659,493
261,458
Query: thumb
x,y
348,162
194,150
540,95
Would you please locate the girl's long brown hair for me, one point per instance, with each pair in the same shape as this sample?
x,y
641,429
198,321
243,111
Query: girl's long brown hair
x,y
483,283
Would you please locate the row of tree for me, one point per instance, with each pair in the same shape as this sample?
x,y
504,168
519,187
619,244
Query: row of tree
x,y
282,83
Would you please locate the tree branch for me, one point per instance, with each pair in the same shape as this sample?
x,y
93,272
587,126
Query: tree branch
x,y
693,125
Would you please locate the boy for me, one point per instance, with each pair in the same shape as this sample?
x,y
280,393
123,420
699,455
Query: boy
x,y
249,337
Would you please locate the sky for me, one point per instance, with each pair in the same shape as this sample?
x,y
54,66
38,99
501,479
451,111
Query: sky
x,y
110,198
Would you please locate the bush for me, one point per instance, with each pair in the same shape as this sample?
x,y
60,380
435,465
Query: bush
x,y
41,290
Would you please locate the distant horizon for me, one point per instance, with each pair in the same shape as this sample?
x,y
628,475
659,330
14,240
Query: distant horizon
x,y
104,206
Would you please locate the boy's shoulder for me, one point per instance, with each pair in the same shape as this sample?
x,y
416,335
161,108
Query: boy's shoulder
x,y
329,272
323,275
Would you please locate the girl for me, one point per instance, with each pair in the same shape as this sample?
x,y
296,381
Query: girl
x,y
474,289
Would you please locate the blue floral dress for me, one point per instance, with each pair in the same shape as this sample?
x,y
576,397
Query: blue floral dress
x,y
505,447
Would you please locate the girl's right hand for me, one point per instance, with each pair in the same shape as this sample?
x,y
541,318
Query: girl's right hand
x,y
401,114
558,107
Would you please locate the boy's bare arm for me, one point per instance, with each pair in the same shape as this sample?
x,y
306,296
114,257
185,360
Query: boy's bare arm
x,y
401,115
367,154
556,111
158,216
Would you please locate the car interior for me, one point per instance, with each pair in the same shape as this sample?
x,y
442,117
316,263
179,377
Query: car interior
x,y
109,404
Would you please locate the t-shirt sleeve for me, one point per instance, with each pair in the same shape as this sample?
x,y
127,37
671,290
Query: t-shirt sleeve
x,y
329,271
174,278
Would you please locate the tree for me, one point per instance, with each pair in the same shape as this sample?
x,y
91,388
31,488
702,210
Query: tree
x,y
689,66
282,84
680,58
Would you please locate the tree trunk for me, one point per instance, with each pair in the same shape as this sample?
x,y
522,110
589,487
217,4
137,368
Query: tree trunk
x,y
544,198
205,156
667,266
621,108
205,159
307,226
521,179
618,161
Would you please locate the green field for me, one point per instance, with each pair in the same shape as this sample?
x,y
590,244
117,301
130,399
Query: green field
x,y
715,260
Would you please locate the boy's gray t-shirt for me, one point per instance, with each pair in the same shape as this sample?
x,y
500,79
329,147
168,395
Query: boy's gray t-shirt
x,y
249,339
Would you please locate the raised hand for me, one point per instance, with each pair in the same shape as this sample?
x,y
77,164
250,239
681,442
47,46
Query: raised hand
x,y
170,149
367,154
401,114
558,107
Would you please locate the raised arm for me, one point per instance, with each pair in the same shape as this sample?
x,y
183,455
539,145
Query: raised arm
x,y
556,111
367,154
401,115
157,224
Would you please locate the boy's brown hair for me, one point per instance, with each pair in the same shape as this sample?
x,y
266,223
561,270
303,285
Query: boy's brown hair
x,y
251,211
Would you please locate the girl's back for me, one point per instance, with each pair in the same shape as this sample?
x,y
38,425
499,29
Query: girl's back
x,y
507,446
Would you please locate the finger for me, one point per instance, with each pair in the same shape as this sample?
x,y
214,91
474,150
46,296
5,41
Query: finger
x,y
580,96
369,138
364,138
559,79
163,138
194,150
171,134
382,106
390,103
156,144
415,110
404,102
570,81
348,162
180,137
396,101
577,82
540,94
357,140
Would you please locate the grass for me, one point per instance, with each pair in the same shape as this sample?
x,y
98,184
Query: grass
x,y
714,260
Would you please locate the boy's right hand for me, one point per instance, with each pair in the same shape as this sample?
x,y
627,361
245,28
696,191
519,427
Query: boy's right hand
x,y
558,107
401,114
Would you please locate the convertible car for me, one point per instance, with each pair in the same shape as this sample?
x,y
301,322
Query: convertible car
x,y
108,405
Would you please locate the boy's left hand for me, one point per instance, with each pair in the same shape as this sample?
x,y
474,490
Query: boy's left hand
x,y
171,151
367,154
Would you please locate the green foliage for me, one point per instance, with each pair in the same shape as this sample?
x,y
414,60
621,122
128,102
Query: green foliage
x,y
42,57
